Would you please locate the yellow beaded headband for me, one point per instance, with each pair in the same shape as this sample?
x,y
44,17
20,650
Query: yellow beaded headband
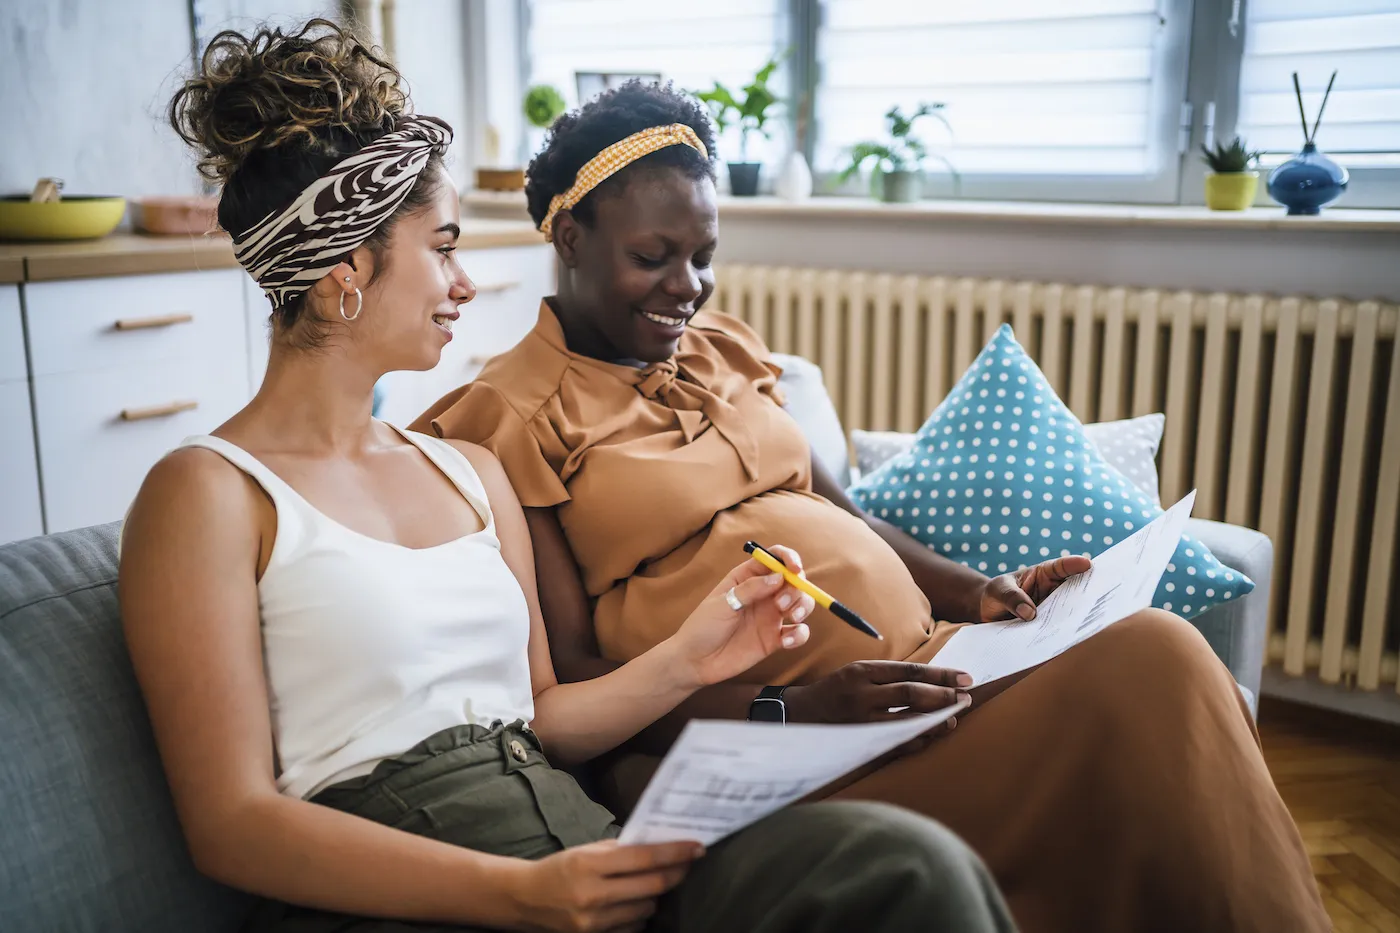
x,y
614,159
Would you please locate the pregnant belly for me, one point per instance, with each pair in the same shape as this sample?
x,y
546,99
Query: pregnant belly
x,y
841,555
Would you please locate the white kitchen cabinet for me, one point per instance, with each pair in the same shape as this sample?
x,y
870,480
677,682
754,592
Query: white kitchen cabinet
x,y
101,376
101,431
12,364
510,283
122,369
20,513
81,325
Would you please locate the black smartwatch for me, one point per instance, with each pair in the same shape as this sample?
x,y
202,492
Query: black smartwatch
x,y
768,706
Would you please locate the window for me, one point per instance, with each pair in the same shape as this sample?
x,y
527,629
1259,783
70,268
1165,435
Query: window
x,y
1075,100
1040,96
692,44
1360,39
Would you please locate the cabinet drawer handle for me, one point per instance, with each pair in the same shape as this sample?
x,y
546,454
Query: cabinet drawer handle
x,y
494,288
158,411
161,320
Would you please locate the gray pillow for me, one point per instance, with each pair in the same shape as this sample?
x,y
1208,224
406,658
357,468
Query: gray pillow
x,y
873,448
1131,446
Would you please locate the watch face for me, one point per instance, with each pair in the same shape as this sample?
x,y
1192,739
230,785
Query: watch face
x,y
765,709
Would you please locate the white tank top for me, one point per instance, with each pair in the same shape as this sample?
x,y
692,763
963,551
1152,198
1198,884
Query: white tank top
x,y
371,647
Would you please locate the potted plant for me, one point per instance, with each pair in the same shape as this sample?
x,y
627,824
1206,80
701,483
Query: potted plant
x,y
750,111
543,105
1231,184
899,159
493,174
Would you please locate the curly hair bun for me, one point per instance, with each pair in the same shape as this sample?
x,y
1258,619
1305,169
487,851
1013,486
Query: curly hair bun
x,y
305,91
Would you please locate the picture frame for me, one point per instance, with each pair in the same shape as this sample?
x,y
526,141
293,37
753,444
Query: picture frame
x,y
589,84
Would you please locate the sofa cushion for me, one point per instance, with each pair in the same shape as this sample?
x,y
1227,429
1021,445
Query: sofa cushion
x,y
873,449
811,408
1131,445
1002,476
88,834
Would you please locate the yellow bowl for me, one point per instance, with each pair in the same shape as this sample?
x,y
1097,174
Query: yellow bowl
x,y
76,218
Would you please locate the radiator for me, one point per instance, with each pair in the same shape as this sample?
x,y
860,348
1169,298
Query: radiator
x,y
1283,412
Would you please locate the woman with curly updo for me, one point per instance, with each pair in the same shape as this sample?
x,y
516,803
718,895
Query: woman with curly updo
x,y
335,623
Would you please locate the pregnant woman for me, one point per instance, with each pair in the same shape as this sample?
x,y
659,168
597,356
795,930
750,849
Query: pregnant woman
x,y
1118,787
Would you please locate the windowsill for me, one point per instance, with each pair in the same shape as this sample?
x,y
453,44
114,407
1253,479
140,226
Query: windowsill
x,y
1053,212
1350,220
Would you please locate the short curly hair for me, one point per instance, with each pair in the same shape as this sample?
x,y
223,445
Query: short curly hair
x,y
581,134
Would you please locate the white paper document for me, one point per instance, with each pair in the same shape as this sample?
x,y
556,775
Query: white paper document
x,y
1120,582
722,776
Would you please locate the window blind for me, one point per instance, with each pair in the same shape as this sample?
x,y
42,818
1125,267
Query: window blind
x,y
691,44
1075,87
1358,38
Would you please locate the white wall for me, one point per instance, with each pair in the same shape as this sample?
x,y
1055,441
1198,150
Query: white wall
x,y
245,15
505,95
1358,265
84,86
430,51
86,83
1326,264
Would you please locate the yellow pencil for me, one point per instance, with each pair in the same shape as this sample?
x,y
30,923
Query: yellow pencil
x,y
823,598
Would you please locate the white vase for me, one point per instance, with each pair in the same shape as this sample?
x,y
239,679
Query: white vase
x,y
794,179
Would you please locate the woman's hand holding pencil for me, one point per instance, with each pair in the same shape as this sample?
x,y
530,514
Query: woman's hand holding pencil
x,y
865,691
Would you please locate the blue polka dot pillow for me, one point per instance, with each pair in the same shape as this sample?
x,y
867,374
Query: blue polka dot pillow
x,y
1002,476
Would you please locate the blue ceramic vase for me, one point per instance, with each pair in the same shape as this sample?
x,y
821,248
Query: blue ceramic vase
x,y
1307,181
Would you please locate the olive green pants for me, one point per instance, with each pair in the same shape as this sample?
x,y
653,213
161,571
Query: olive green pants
x,y
816,868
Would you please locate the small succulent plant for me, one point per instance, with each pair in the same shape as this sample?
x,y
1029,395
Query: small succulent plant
x,y
1227,160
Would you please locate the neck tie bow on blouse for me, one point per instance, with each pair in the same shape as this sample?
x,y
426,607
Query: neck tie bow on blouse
x,y
692,404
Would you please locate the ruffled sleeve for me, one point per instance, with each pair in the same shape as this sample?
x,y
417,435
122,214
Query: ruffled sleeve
x,y
480,414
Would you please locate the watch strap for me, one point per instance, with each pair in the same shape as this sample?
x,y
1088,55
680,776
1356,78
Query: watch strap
x,y
768,706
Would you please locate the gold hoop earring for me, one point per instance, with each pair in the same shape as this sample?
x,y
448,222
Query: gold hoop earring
x,y
359,303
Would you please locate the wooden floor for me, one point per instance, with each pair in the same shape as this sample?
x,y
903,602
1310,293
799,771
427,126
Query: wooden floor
x,y
1341,780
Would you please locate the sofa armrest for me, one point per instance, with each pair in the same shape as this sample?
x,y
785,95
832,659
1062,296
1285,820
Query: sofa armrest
x,y
1238,630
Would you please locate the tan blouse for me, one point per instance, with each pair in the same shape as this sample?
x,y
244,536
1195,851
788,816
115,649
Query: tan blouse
x,y
660,474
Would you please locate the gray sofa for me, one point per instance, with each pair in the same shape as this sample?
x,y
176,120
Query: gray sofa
x,y
88,836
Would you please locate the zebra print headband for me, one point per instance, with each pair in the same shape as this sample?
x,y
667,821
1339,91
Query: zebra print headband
x,y
290,250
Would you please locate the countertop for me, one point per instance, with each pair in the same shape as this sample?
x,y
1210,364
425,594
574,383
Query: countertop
x,y
138,253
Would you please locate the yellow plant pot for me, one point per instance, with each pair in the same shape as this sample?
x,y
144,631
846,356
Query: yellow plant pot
x,y
1232,191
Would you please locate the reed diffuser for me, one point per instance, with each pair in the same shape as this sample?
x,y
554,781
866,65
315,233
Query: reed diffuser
x,y
1309,180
